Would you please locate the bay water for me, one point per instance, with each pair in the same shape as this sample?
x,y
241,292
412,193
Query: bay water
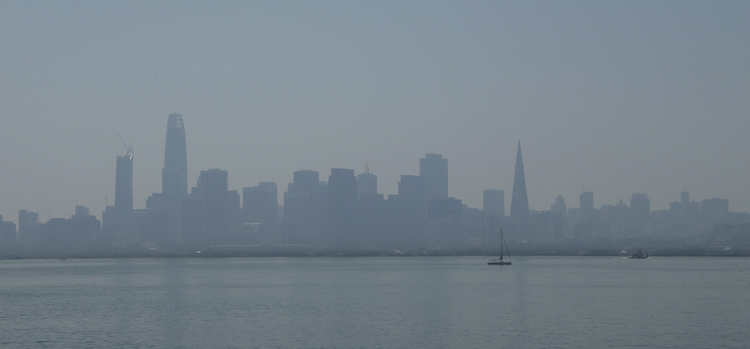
x,y
375,302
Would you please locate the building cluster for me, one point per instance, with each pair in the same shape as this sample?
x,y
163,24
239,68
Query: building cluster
x,y
344,212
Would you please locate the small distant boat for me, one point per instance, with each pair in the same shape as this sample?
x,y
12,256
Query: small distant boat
x,y
639,255
503,248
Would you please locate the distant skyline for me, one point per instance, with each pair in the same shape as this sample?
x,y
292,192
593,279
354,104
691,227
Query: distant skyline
x,y
610,97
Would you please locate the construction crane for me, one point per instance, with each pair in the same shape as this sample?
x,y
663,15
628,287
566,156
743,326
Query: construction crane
x,y
128,147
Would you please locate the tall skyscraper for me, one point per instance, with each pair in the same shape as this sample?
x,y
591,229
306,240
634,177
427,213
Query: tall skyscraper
x,y
408,213
559,214
213,186
434,170
342,205
124,185
28,228
302,209
519,204
174,173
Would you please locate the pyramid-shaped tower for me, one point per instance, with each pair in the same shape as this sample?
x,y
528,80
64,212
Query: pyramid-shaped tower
x,y
519,204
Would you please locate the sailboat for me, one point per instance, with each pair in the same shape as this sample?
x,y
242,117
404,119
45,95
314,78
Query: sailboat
x,y
503,250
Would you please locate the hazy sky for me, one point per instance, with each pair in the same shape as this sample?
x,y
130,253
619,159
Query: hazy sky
x,y
611,97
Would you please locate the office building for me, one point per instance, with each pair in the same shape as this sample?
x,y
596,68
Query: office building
x,y
519,204
174,173
367,184
213,187
302,209
493,202
260,204
434,171
586,202
342,206
124,185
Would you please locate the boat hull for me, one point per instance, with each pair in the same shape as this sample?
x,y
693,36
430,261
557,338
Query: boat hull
x,y
498,262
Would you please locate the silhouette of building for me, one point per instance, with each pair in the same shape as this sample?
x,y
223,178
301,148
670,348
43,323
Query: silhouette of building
x,y
114,216
559,212
260,204
234,209
302,209
28,229
559,206
434,171
69,236
8,238
371,218
444,223
174,189
519,225
124,186
493,201
367,183
586,202
407,212
213,187
640,206
442,208
715,210
342,206
174,173
193,223
519,204
685,210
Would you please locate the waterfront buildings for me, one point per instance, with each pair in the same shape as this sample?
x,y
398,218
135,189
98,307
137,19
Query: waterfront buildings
x,y
346,213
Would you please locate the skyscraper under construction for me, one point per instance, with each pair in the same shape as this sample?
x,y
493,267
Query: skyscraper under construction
x,y
124,185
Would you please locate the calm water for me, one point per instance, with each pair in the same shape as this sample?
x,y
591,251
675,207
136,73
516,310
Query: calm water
x,y
396,302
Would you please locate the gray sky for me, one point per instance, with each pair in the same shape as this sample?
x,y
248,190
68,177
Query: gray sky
x,y
611,97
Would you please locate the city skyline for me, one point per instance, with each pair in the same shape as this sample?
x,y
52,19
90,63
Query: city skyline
x,y
176,145
344,214
613,98
174,163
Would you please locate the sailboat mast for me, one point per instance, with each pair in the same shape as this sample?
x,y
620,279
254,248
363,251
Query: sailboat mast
x,y
501,242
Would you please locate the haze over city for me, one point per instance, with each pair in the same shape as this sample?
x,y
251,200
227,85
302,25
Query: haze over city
x,y
609,97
